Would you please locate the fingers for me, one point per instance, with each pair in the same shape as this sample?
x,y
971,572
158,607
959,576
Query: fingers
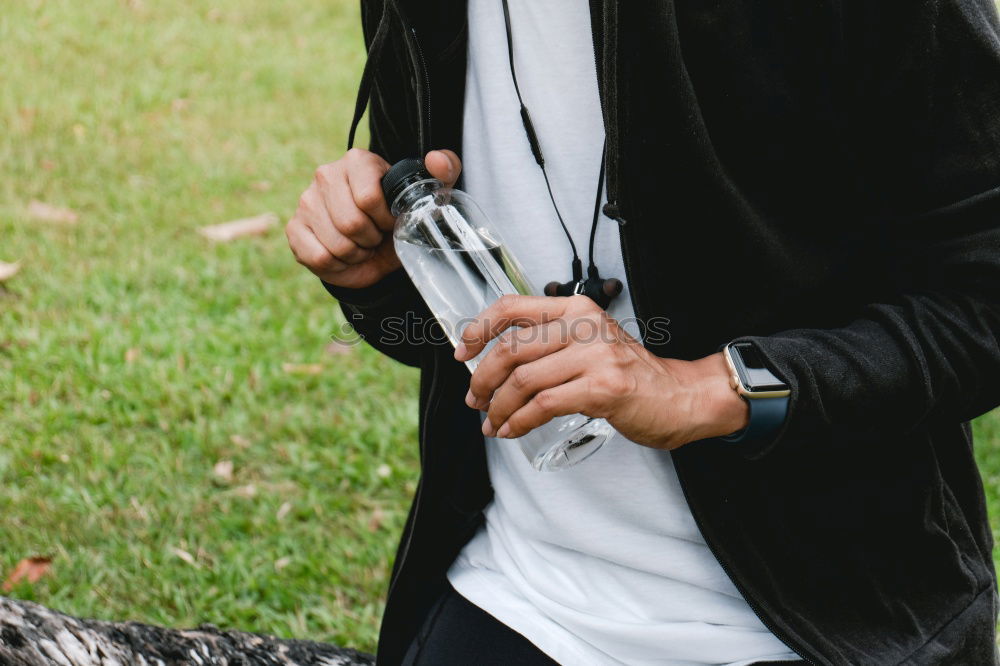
x,y
443,165
569,398
506,312
364,177
340,230
514,348
530,379
345,208
337,223
310,252
344,217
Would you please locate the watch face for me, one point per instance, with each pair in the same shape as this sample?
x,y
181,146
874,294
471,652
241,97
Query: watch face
x,y
754,375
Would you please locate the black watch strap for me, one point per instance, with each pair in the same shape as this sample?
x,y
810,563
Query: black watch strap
x,y
766,417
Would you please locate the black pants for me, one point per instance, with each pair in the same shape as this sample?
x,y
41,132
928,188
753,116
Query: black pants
x,y
459,633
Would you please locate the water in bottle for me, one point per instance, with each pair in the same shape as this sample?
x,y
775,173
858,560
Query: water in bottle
x,y
458,262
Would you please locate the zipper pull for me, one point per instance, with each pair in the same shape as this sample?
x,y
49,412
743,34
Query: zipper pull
x,y
611,210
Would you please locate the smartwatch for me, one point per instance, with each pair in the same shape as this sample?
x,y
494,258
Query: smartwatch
x,y
766,395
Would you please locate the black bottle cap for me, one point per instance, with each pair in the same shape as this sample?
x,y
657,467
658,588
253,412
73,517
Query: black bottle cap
x,y
401,175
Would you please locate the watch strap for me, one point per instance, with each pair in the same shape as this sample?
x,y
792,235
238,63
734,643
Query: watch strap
x,y
766,417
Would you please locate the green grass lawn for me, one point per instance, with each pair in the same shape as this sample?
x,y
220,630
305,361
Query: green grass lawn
x,y
135,355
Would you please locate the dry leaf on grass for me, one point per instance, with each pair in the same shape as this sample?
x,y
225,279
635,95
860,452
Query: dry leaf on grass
x,y
140,510
302,368
7,271
131,354
43,212
281,563
339,347
30,569
375,522
223,470
283,511
248,491
240,441
186,556
250,226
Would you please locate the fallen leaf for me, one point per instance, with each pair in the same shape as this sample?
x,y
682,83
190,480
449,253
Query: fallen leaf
x,y
248,491
140,510
28,116
131,354
224,470
283,510
43,212
339,347
376,520
250,226
7,271
281,563
240,441
30,569
302,368
186,556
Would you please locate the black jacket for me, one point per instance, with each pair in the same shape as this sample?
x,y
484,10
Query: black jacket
x,y
819,176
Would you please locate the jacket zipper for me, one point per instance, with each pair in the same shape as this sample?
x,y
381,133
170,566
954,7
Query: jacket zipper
x,y
421,77
612,209
423,122
426,121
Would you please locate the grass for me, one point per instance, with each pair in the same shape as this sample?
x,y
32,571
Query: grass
x,y
135,355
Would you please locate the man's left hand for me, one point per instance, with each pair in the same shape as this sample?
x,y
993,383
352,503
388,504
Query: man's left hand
x,y
566,356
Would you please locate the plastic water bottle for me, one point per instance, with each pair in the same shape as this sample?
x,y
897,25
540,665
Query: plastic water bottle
x,y
460,265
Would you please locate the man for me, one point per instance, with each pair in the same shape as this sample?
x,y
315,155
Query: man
x,y
817,181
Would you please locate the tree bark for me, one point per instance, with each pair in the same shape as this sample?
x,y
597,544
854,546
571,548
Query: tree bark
x,y
32,635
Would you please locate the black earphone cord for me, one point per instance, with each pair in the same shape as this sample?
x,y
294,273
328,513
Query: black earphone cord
x,y
536,150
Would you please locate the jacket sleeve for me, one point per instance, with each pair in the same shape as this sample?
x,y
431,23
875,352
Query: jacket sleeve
x,y
929,351
389,315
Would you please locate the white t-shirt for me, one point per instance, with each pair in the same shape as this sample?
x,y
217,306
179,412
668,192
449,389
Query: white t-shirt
x,y
601,563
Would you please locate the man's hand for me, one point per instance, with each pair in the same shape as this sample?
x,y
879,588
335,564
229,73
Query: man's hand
x,y
567,356
342,230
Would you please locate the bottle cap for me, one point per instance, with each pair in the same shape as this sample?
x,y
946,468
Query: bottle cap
x,y
401,175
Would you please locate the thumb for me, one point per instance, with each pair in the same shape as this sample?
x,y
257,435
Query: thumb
x,y
443,165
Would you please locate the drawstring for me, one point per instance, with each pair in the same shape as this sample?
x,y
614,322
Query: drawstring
x,y
371,64
610,67
365,87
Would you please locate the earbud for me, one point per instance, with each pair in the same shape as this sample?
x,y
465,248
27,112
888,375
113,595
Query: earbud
x,y
597,289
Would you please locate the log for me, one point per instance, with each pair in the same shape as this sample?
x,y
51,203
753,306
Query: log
x,y
32,635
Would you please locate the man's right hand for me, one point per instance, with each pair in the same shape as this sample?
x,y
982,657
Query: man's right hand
x,y
342,230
